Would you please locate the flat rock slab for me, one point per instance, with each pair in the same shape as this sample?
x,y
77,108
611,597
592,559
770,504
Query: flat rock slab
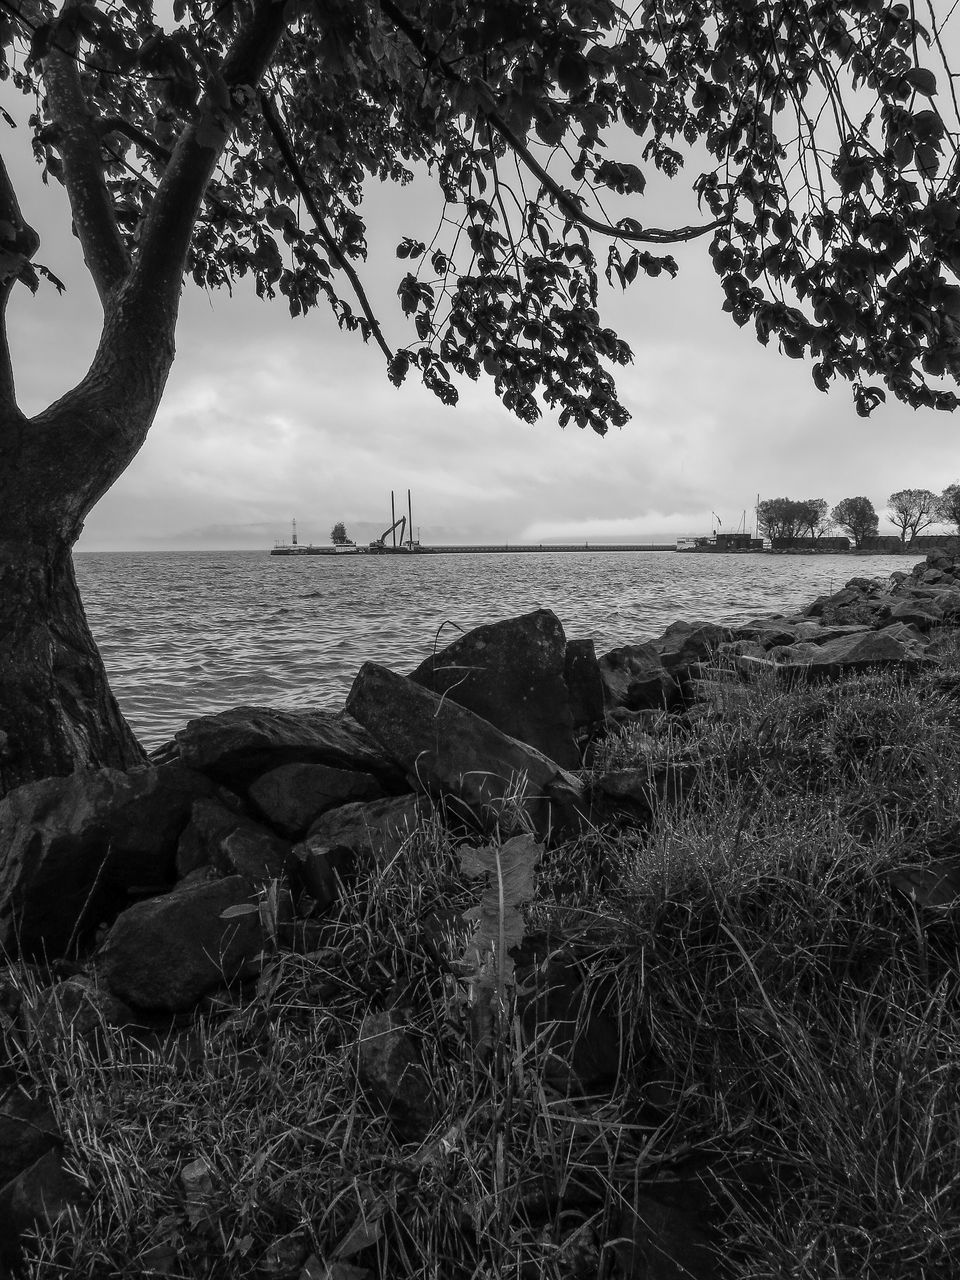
x,y
863,650
72,848
512,674
238,745
164,954
450,752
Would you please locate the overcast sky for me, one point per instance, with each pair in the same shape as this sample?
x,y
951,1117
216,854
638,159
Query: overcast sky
x,y
266,418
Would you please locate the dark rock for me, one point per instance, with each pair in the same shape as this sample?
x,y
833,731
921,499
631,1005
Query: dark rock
x,y
647,788
77,1008
319,868
918,614
563,1017
390,1070
635,678
685,643
764,633
294,795
231,842
449,751
512,674
659,1241
164,954
238,745
862,651
370,833
40,1194
935,887
374,830
581,673
75,848
28,1128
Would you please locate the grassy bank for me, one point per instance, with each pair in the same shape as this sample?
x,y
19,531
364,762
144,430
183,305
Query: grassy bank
x,y
787,1013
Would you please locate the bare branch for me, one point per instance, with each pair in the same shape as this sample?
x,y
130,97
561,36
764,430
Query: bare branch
x,y
567,202
75,137
169,224
275,126
18,243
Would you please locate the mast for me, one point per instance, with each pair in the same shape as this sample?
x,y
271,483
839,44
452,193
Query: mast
x,y
410,525
294,531
393,520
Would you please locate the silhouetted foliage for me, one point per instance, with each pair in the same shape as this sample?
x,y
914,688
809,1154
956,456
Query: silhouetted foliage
x,y
858,517
912,510
793,518
338,534
948,505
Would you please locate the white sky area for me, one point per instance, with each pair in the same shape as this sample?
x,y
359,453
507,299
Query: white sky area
x,y
266,418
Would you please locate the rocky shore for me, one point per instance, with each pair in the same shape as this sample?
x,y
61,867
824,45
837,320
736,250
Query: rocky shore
x,y
153,907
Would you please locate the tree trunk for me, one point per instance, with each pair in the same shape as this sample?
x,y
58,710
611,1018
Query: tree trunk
x,y
56,708
57,712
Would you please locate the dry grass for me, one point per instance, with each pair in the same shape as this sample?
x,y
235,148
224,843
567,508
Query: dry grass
x,y
790,1029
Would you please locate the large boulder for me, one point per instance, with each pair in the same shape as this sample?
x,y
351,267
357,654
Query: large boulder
x,y
238,745
164,954
635,678
451,752
581,672
894,646
73,849
512,674
292,796
686,643
219,836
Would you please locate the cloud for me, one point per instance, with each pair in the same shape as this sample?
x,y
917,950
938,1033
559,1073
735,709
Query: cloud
x,y
266,418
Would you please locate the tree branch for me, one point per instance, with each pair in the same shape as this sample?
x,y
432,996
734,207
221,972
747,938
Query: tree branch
x,y
18,243
275,125
168,227
568,202
74,135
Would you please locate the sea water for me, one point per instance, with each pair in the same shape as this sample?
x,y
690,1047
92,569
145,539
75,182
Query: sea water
x,y
187,633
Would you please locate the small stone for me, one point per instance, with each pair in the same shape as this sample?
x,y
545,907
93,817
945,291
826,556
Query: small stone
x,y
390,1070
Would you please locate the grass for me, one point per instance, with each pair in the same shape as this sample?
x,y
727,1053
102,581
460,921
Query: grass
x,y
789,1027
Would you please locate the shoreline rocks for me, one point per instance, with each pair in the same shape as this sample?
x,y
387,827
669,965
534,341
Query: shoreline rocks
x,y
160,887
233,794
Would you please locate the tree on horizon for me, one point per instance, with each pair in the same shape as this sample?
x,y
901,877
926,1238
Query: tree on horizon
x,y
859,517
911,510
217,141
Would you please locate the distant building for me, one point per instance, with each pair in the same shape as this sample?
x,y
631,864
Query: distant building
x,y
840,543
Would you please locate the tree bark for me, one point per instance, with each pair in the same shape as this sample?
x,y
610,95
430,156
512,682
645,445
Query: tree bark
x,y
57,713
57,708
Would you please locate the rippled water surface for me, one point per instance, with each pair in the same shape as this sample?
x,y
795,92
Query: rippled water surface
x,y
185,633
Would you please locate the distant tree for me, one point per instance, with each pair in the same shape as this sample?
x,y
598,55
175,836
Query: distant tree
x,y
859,517
948,505
814,517
912,510
792,517
338,534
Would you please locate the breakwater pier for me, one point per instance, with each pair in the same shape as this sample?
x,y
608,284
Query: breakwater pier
x,y
551,546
